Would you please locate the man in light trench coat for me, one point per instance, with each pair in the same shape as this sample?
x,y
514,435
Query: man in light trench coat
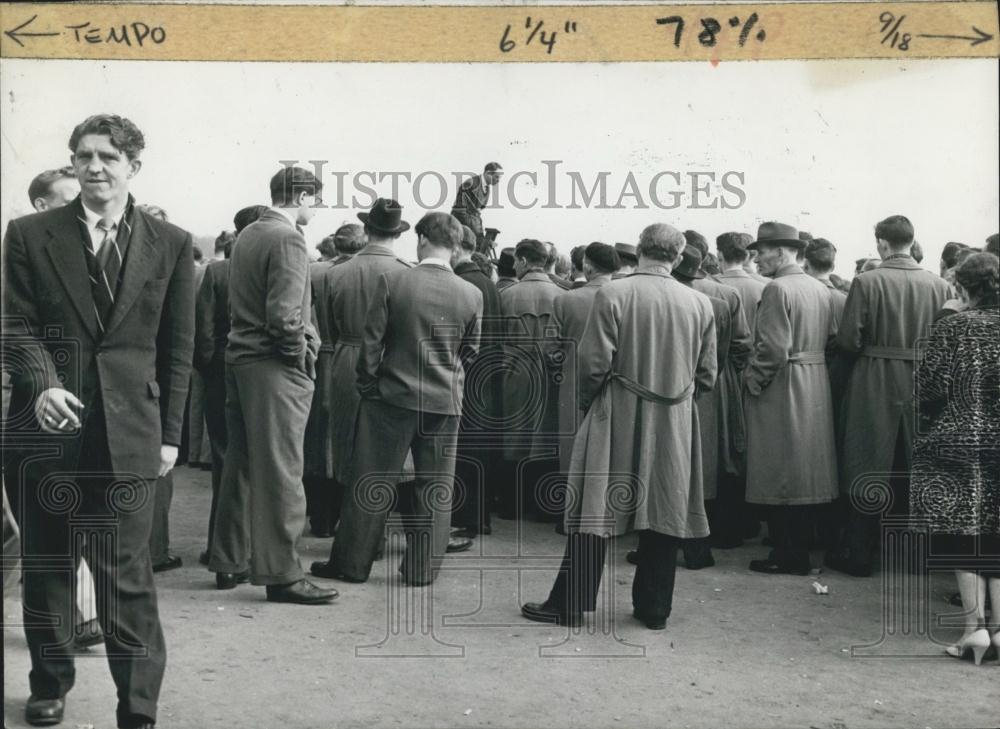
x,y
649,346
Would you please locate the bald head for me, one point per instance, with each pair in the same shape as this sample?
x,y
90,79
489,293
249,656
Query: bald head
x,y
661,242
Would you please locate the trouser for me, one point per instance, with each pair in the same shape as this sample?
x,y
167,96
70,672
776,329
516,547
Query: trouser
x,y
385,432
862,531
579,579
473,497
159,537
656,569
108,518
729,513
262,506
215,423
323,497
791,530
543,489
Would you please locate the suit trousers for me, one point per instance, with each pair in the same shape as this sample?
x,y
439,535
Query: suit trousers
x,y
791,531
107,517
653,584
579,579
385,432
262,506
159,538
474,474
215,423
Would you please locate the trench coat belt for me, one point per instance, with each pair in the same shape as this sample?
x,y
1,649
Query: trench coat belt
x,y
646,394
348,340
328,348
901,353
807,358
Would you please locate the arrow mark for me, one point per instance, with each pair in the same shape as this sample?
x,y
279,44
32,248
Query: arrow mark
x,y
980,36
13,33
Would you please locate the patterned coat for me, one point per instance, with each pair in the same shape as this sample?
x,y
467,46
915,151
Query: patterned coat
x,y
636,463
956,454
530,391
888,310
791,458
348,289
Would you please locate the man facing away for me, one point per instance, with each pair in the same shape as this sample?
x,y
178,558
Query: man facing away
x,y
270,368
888,310
99,302
423,324
788,402
648,347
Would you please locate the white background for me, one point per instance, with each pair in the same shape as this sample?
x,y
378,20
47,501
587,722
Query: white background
x,y
830,146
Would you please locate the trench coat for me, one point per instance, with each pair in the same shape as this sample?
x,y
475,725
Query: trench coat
x,y
530,390
572,308
713,413
731,427
648,347
749,289
348,290
888,310
318,451
791,456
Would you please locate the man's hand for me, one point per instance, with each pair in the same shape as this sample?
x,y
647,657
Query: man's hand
x,y
58,410
168,457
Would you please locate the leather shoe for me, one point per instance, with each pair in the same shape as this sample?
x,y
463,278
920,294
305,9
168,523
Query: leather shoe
x,y
770,567
44,712
650,622
700,564
541,612
302,592
88,634
229,580
847,565
472,532
320,529
203,558
327,571
458,544
171,563
632,556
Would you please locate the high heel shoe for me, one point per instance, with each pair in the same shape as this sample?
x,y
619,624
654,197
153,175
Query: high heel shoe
x,y
978,642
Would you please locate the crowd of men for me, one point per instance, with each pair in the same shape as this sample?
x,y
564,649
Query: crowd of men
x,y
658,388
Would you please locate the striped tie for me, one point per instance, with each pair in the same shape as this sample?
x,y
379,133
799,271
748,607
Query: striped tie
x,y
109,260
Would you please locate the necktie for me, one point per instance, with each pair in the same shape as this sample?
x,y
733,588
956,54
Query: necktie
x,y
109,265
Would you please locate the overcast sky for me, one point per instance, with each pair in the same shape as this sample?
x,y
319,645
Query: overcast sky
x,y
830,146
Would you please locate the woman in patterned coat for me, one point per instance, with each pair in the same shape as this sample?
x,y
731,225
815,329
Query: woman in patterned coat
x,y
956,466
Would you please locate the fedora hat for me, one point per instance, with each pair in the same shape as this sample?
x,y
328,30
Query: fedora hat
x,y
385,217
690,264
777,234
627,253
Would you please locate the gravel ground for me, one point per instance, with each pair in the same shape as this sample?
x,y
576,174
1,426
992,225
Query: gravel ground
x,y
741,650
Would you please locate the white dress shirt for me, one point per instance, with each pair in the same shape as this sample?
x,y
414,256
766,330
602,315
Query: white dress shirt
x,y
96,234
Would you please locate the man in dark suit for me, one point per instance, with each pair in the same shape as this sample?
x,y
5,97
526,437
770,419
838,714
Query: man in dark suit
x,y
270,367
211,332
99,308
475,466
472,197
423,324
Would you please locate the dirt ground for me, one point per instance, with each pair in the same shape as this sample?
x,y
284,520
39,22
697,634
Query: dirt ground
x,y
740,650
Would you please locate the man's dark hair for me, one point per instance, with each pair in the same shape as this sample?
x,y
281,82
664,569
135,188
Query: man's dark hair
x,y
821,254
248,215
696,239
733,246
896,230
441,229
533,251
917,251
553,254
979,276
468,239
603,257
710,265
290,182
949,256
224,242
197,254
492,167
576,257
41,186
993,245
803,235
125,136
349,238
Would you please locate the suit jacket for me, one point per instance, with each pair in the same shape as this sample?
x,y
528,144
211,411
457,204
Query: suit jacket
x,y
212,317
422,323
471,198
270,299
138,371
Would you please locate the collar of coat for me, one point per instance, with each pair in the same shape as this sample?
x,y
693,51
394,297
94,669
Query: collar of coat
x,y
536,276
789,269
900,261
598,280
376,249
734,273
